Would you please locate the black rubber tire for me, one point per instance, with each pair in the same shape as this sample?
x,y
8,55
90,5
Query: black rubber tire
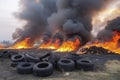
x,y
17,58
43,69
6,54
45,55
14,64
66,65
25,68
1,54
54,58
31,58
74,56
84,64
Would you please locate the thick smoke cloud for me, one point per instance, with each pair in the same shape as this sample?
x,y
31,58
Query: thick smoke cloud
x,y
35,13
74,17
108,33
70,17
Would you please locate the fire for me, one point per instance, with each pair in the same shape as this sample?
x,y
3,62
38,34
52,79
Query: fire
x,y
69,46
112,45
22,44
1,46
51,45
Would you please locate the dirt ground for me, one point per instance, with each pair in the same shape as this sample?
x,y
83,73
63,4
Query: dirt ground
x,y
110,71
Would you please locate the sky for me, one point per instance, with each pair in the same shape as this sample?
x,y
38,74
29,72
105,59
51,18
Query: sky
x,y
8,23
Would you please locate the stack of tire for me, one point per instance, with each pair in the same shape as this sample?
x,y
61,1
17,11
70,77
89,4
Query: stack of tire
x,y
45,65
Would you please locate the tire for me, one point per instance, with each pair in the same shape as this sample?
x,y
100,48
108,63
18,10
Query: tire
x,y
43,69
74,56
6,54
31,58
86,65
54,59
45,55
14,64
25,68
66,65
17,58
1,54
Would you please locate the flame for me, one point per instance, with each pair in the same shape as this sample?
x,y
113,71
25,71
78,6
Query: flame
x,y
51,45
69,46
22,44
112,45
1,46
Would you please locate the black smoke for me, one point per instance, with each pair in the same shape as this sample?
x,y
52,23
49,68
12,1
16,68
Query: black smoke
x,y
35,13
69,17
108,33
74,17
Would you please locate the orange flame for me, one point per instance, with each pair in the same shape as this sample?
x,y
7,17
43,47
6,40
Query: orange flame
x,y
69,46
113,45
22,44
51,45
1,46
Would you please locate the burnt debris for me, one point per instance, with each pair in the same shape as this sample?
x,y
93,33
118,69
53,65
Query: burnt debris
x,y
97,50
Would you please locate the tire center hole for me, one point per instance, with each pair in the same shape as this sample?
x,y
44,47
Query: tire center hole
x,y
25,65
43,65
65,61
85,61
17,57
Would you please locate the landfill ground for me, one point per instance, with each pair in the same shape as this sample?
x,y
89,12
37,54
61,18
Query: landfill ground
x,y
107,67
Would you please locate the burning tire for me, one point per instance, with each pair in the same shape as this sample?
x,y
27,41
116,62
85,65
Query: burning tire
x,y
17,58
25,68
43,69
30,58
66,64
86,65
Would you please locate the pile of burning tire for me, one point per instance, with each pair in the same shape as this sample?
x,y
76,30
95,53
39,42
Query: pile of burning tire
x,y
45,65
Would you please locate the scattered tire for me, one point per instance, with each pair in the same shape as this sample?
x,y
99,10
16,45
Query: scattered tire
x,y
43,69
6,54
66,64
31,58
17,58
45,55
25,68
74,56
54,59
86,65
1,54
14,64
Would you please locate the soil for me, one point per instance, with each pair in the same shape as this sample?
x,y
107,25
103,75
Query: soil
x,y
9,73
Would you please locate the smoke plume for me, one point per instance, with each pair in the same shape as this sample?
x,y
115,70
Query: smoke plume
x,y
35,13
108,32
69,17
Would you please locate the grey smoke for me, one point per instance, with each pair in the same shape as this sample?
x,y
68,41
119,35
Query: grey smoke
x,y
70,17
108,33
35,13
74,17
114,24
